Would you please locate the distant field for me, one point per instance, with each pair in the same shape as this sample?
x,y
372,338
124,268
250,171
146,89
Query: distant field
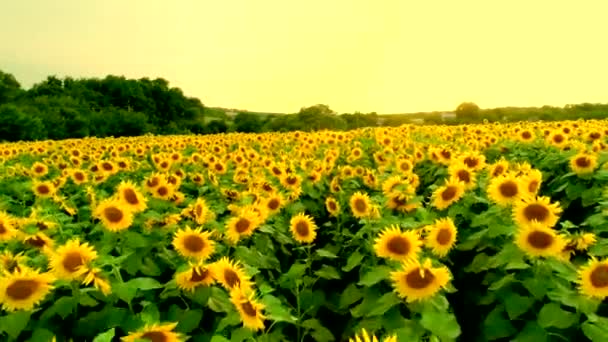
x,y
411,233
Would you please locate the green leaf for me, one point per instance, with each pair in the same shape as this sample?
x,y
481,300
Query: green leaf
x,y
532,332
319,332
14,323
536,286
387,301
350,295
145,284
328,272
86,300
375,275
276,310
442,324
496,326
219,301
150,313
509,278
219,338
241,334
106,336
552,315
295,273
326,254
231,320
595,332
189,320
353,261
42,335
517,305
63,307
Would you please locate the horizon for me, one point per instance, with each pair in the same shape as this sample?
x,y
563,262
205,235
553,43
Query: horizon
x,y
270,57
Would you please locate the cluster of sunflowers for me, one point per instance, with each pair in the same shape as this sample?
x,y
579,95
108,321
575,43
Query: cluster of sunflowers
x,y
163,184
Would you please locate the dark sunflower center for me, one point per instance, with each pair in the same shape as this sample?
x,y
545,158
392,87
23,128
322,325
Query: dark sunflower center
x,y
533,186
360,205
162,191
130,196
558,138
248,309
219,167
2,228
21,289
398,245
302,228
471,162
199,274
242,225
155,336
199,210
39,169
536,212
444,237
36,241
79,176
449,193
43,189
508,189
416,281
595,135
405,166
232,279
446,154
113,214
599,276
464,176
273,204
540,240
526,135
292,180
498,170
71,261
153,182
582,162
107,166
194,243
332,206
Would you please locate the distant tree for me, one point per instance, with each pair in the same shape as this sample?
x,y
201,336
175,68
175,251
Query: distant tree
x,y
15,125
216,126
467,111
9,87
247,123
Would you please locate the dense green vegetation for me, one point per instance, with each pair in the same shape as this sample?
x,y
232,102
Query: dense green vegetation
x,y
116,106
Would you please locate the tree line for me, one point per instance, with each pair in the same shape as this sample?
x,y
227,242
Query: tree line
x,y
116,106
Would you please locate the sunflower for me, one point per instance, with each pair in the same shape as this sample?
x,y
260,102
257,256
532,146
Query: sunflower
x,y
394,244
583,163
442,236
44,189
459,172
154,181
531,182
499,168
393,184
10,262
193,243
584,241
131,197
530,209
155,333
114,215
417,281
94,276
363,336
79,176
70,261
39,240
360,205
332,206
201,211
23,289
593,278
446,195
274,203
250,310
242,225
196,275
39,169
164,191
231,274
537,240
505,189
7,226
303,228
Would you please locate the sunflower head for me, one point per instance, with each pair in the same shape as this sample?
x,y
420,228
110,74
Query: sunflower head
x,y
131,197
193,243
392,243
303,228
537,240
360,205
446,195
416,281
114,214
198,274
71,260
536,209
156,333
24,288
231,275
249,309
441,236
593,279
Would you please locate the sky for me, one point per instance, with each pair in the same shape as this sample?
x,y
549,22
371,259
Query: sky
x,y
388,56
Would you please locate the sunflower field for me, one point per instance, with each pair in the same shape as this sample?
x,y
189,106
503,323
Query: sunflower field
x,y
413,233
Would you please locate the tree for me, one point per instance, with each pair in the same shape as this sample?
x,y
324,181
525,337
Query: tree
x,y
247,123
9,87
467,111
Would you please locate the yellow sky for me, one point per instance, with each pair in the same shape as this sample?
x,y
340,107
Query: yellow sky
x,y
388,56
